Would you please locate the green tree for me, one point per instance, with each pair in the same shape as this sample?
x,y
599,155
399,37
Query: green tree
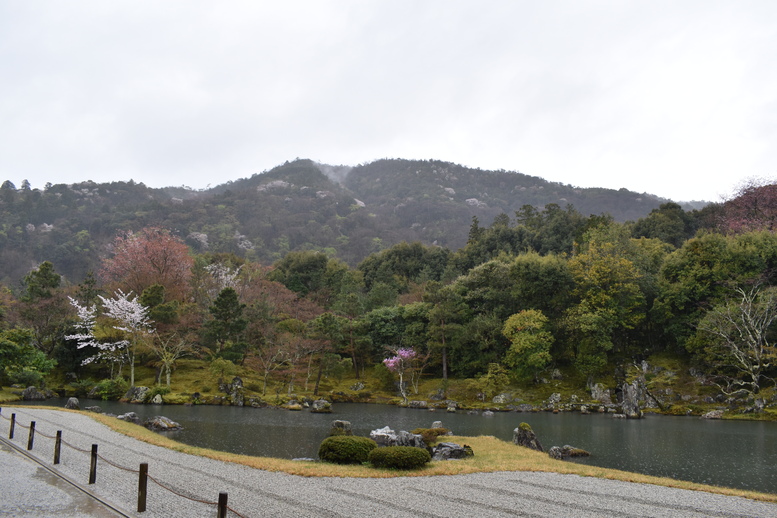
x,y
611,302
530,342
493,381
227,325
41,282
669,223
20,361
446,315
43,307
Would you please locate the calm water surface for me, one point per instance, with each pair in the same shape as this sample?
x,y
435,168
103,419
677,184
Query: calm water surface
x,y
741,454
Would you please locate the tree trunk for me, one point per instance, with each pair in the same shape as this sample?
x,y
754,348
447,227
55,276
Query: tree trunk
x,y
353,350
318,378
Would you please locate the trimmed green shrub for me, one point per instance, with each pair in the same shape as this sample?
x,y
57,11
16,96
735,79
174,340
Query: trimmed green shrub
x,y
399,457
430,435
346,449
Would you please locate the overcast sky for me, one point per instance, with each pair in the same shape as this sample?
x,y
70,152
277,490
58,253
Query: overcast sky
x,y
674,98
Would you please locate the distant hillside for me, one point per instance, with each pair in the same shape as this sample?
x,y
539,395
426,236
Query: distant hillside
x,y
349,212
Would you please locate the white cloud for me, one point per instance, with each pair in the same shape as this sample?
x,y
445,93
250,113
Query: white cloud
x,y
672,98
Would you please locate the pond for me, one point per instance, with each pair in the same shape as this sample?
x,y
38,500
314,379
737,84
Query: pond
x,y
740,454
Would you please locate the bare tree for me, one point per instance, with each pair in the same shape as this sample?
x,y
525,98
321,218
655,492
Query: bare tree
x,y
169,349
740,346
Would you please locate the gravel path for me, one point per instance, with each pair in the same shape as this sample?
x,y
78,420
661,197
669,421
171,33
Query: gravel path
x,y
254,492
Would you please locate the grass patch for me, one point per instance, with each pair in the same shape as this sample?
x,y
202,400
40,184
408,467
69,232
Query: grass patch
x,y
7,395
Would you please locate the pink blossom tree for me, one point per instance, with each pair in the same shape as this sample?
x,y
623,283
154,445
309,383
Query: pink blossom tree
x,y
147,257
401,363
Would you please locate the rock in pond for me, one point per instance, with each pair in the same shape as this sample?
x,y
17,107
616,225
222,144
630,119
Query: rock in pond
x,y
567,451
157,400
73,404
321,406
136,394
525,436
130,417
161,423
340,428
33,394
714,414
630,404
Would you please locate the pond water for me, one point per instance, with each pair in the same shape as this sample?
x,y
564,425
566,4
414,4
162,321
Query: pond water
x,y
741,454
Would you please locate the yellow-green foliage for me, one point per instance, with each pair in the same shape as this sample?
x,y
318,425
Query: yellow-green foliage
x,y
430,435
399,457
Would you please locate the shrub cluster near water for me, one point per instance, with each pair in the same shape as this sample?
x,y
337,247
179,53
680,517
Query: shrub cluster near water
x,y
399,457
346,449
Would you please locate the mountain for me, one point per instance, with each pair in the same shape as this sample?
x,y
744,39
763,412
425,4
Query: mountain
x,y
348,212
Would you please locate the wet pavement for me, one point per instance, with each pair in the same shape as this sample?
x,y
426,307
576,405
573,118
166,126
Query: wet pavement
x,y
34,491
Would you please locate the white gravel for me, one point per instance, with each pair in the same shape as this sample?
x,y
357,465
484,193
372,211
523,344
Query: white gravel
x,y
254,492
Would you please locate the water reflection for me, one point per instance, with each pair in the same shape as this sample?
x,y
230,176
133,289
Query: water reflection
x,y
739,454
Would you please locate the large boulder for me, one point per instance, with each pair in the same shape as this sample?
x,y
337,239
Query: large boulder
x,y
525,436
630,404
601,394
236,392
137,394
450,451
161,424
73,404
388,437
33,394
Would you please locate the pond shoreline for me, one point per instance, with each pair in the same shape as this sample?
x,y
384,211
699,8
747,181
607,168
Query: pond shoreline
x,y
583,408
704,451
544,494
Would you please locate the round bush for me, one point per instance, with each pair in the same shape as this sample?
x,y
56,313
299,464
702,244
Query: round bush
x,y
346,449
399,457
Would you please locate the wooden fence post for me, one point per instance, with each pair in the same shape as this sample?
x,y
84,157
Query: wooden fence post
x,y
31,437
57,446
142,485
13,425
93,466
222,505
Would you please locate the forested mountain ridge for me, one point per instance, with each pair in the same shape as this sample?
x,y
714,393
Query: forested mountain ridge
x,y
301,205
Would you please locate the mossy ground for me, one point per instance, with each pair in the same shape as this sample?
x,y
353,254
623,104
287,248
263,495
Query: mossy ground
x,y
667,375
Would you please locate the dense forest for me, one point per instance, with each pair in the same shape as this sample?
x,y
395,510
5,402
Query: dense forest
x,y
531,291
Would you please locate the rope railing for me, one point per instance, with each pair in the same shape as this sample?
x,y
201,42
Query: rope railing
x,y
75,447
221,505
117,466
